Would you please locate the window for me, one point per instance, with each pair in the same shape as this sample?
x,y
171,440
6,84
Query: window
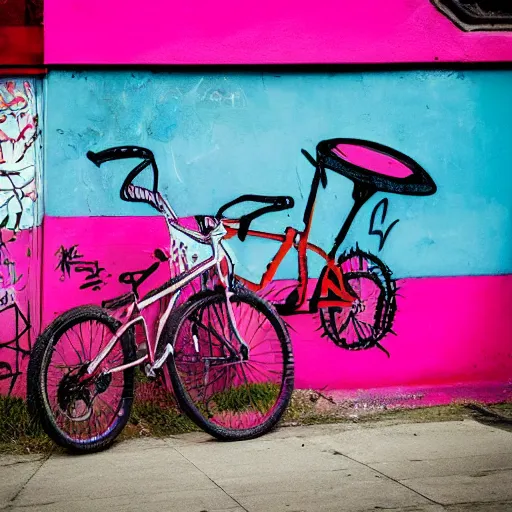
x,y
472,15
21,12
21,33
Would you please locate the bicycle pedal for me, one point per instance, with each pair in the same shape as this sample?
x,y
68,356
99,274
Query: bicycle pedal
x,y
160,361
142,350
149,371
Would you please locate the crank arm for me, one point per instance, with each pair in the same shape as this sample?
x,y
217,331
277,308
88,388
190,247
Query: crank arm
x,y
150,372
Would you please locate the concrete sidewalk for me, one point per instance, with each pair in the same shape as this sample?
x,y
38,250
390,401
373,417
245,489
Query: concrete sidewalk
x,y
455,466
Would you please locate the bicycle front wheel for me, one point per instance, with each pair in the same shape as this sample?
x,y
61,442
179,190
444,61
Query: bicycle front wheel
x,y
230,396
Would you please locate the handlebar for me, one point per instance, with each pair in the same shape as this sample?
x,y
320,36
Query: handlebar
x,y
129,191
119,153
276,204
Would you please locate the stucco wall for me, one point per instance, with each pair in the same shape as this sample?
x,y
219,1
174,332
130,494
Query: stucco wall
x,y
217,136
265,32
20,231
218,133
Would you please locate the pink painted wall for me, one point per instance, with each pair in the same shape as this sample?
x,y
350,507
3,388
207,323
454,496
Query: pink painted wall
x,y
20,303
265,32
448,332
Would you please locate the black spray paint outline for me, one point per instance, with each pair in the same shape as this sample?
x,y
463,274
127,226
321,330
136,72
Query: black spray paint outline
x,y
383,235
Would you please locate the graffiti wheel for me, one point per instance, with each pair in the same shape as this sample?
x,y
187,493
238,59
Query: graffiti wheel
x,y
371,316
83,415
230,393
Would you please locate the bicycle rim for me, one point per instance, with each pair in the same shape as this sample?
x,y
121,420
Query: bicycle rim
x,y
230,398
362,326
90,415
358,327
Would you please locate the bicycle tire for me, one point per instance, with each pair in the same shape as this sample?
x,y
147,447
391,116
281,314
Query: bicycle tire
x,y
37,386
183,394
373,271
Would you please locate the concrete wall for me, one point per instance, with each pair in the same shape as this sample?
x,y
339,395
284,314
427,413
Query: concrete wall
x,y
264,32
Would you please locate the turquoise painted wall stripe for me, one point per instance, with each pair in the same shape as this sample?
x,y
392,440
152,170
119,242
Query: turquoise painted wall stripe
x,y
217,136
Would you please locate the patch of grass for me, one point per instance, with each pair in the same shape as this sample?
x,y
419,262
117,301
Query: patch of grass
x,y
261,396
158,417
152,419
155,413
18,433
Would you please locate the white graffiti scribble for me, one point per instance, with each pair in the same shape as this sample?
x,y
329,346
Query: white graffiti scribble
x,y
18,131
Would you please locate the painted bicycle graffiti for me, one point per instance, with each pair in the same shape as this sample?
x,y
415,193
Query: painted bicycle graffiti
x,y
355,295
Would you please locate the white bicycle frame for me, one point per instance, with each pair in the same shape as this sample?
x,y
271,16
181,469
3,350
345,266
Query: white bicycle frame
x,y
219,255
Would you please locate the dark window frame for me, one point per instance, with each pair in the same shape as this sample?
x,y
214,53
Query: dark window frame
x,y
461,13
21,36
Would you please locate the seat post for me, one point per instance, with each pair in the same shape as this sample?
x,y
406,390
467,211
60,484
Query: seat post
x,y
360,194
308,212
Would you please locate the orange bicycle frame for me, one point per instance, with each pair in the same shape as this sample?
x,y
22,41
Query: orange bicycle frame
x,y
331,281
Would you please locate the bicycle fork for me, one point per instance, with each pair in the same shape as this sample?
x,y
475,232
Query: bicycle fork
x,y
244,348
225,273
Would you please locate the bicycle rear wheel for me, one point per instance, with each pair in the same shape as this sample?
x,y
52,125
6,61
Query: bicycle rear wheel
x,y
364,324
79,413
230,398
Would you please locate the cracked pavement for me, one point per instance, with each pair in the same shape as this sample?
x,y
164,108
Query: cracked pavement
x,y
455,466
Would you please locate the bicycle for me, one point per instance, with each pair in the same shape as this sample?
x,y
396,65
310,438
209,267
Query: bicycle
x,y
355,296
224,351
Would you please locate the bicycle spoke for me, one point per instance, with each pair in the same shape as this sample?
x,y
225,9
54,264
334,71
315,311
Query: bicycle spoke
x,y
254,347
107,404
219,319
250,394
259,371
230,392
268,352
203,386
257,329
73,347
89,429
359,328
210,331
81,341
253,312
210,343
90,343
259,361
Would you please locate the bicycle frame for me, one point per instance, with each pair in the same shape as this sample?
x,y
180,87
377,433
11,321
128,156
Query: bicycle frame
x,y
219,261
368,177
299,240
133,311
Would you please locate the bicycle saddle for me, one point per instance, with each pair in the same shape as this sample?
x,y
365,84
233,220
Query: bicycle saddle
x,y
374,166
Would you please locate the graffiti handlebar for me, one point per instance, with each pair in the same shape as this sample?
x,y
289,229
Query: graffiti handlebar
x,y
119,153
129,191
276,204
